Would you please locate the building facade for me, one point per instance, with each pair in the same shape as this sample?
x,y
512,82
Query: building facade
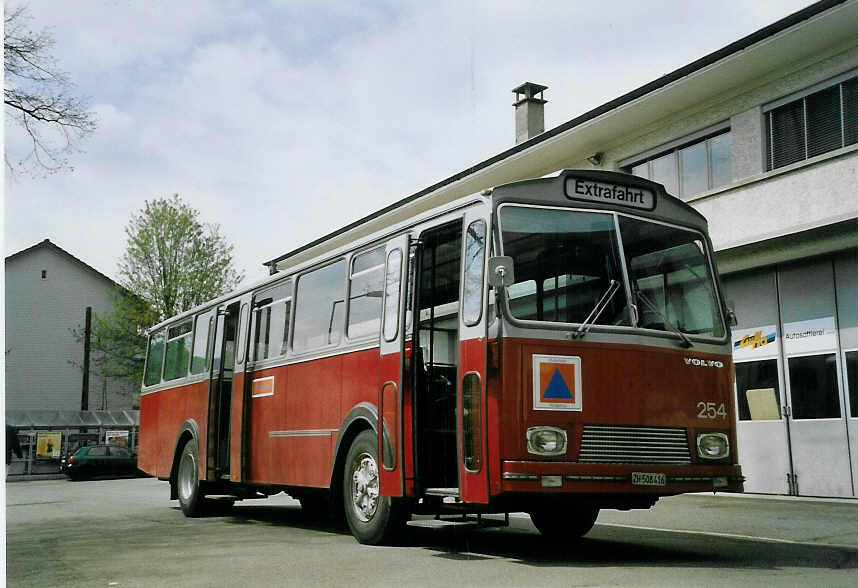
x,y
47,293
762,138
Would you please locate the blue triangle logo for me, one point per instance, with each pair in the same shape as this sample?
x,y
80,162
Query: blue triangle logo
x,y
557,387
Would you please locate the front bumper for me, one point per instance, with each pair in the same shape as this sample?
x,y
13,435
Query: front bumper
x,y
566,477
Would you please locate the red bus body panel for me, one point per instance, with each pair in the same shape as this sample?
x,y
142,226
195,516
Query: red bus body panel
x,y
473,486
625,385
162,415
292,433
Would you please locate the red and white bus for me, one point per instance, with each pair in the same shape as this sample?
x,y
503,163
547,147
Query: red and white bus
x,y
553,346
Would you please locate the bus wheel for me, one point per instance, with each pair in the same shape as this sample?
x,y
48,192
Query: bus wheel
x,y
565,522
187,479
373,519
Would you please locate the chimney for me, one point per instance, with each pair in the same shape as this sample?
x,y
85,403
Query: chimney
x,y
529,111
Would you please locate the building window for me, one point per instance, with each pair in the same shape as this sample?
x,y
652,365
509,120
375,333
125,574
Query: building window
x,y
816,123
690,167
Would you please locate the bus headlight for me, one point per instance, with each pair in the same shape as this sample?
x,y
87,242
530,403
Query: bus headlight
x,y
546,441
713,445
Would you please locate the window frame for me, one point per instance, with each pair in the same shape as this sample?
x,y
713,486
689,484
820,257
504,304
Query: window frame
x,y
209,314
351,275
675,147
472,296
553,325
162,331
187,335
284,291
296,299
802,96
390,305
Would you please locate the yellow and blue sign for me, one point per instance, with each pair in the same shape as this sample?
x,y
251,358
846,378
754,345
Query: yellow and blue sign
x,y
556,382
754,340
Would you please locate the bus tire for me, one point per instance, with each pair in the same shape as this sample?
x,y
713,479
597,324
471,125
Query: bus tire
x,y
191,496
564,523
372,519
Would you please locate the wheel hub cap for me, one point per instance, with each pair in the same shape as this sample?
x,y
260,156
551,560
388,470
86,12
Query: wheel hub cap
x,y
187,476
365,487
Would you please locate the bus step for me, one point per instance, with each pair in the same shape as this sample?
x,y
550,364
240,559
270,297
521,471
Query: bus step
x,y
441,491
459,523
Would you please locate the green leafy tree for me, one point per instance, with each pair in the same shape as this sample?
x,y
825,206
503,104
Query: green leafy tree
x,y
172,262
38,98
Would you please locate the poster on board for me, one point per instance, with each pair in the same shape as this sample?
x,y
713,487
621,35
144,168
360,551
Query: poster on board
x,y
49,444
116,438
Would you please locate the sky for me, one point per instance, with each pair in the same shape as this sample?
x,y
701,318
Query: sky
x,y
284,120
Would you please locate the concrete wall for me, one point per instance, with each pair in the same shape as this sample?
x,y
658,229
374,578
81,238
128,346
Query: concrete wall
x,y
40,317
794,198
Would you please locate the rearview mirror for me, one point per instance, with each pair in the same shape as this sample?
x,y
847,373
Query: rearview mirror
x,y
731,314
501,271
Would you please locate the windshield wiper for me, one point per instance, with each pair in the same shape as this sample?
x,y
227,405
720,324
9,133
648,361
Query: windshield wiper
x,y
685,341
597,310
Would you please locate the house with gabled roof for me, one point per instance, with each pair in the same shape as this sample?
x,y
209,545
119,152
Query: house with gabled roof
x,y
48,291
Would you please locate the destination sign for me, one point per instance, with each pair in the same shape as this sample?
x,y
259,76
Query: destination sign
x,y
578,189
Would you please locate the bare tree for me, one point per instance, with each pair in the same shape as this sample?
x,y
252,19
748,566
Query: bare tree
x,y
38,99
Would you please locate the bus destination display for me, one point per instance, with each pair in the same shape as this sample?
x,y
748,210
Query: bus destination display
x,y
602,193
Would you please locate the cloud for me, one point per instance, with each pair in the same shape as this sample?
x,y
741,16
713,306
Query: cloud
x,y
285,120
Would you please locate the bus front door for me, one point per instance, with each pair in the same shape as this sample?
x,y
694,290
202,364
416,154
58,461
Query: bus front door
x,y
392,369
472,400
226,385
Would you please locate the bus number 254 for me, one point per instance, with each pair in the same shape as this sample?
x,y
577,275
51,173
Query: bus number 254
x,y
708,410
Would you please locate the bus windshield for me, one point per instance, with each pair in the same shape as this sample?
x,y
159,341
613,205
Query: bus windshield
x,y
566,263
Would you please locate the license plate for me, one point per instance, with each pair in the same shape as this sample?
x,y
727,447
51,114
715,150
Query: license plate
x,y
648,479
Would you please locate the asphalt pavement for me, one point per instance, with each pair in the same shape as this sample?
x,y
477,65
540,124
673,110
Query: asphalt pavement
x,y
128,533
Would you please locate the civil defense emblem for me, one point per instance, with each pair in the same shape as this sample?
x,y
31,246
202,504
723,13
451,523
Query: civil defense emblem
x,y
556,382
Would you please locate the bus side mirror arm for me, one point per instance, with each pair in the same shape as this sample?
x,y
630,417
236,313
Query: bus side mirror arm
x,y
501,271
501,275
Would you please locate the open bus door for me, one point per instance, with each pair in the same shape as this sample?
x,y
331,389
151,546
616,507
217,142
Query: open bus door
x,y
226,403
392,366
472,425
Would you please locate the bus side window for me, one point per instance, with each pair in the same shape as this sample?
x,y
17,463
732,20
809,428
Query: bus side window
x,y
475,257
272,321
287,306
366,281
201,352
240,338
178,354
392,287
319,307
155,359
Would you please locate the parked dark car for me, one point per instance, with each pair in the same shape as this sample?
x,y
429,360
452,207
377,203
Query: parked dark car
x,y
99,460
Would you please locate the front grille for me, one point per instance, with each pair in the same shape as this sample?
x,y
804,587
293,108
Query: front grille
x,y
619,444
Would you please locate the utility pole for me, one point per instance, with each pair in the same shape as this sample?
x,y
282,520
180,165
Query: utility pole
x,y
87,335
